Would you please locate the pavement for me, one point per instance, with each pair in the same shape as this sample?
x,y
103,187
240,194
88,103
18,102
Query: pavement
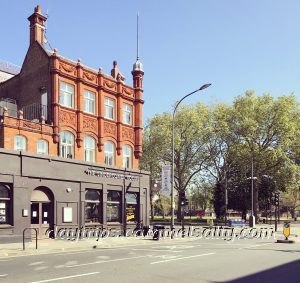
x,y
48,246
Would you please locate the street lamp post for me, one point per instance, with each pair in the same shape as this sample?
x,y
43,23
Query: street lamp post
x,y
252,217
173,149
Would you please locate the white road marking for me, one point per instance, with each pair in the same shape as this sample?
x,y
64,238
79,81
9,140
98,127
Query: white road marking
x,y
177,247
3,275
66,277
5,260
102,257
179,258
254,246
165,256
72,262
225,244
35,263
152,250
105,261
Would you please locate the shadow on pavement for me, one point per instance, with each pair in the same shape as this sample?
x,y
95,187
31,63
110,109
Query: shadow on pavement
x,y
288,273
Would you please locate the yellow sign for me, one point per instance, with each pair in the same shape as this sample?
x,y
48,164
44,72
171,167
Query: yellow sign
x,y
286,229
130,213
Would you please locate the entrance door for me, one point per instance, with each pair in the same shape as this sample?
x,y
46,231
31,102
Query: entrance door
x,y
41,213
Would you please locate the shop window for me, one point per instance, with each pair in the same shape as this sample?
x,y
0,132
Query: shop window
x,y
89,149
42,147
109,153
127,156
132,208
89,101
109,105
114,206
127,114
93,208
66,94
20,143
5,204
66,144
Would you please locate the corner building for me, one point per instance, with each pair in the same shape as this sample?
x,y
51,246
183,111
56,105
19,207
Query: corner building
x,y
70,144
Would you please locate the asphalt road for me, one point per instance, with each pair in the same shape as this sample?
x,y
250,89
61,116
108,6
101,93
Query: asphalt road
x,y
187,260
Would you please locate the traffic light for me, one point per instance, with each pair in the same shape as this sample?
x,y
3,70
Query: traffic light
x,y
184,201
276,199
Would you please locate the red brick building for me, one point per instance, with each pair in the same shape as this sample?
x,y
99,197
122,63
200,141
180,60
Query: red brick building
x,y
83,106
56,107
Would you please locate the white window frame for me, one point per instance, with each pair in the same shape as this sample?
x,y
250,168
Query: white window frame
x,y
89,101
109,153
20,143
127,114
109,108
127,156
42,147
67,147
66,92
89,149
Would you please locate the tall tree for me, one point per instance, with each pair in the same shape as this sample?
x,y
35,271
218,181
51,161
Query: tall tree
x,y
191,152
264,127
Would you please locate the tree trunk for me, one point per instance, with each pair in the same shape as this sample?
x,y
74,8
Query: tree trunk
x,y
151,207
244,214
292,211
181,195
179,209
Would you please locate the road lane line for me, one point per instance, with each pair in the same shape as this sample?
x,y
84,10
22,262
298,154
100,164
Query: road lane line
x,y
152,250
3,275
254,246
186,257
35,263
66,277
105,261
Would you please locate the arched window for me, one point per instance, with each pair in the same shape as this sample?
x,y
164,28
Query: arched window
x,y
5,204
109,153
20,143
66,144
89,149
42,147
127,156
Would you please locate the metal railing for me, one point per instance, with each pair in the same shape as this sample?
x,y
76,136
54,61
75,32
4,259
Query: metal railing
x,y
34,111
36,237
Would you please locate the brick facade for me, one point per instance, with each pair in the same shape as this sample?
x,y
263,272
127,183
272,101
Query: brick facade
x,y
42,72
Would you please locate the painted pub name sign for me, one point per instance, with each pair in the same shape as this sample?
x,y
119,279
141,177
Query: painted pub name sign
x,y
110,175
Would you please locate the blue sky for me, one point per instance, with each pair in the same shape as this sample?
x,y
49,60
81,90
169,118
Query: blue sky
x,y
235,45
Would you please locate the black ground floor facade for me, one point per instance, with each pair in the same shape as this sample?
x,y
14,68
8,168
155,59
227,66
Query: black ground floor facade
x,y
45,193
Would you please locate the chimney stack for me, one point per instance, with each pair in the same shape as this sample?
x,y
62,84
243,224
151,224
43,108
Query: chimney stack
x,y
37,26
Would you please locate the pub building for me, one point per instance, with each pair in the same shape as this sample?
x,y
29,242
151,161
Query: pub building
x,y
70,144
